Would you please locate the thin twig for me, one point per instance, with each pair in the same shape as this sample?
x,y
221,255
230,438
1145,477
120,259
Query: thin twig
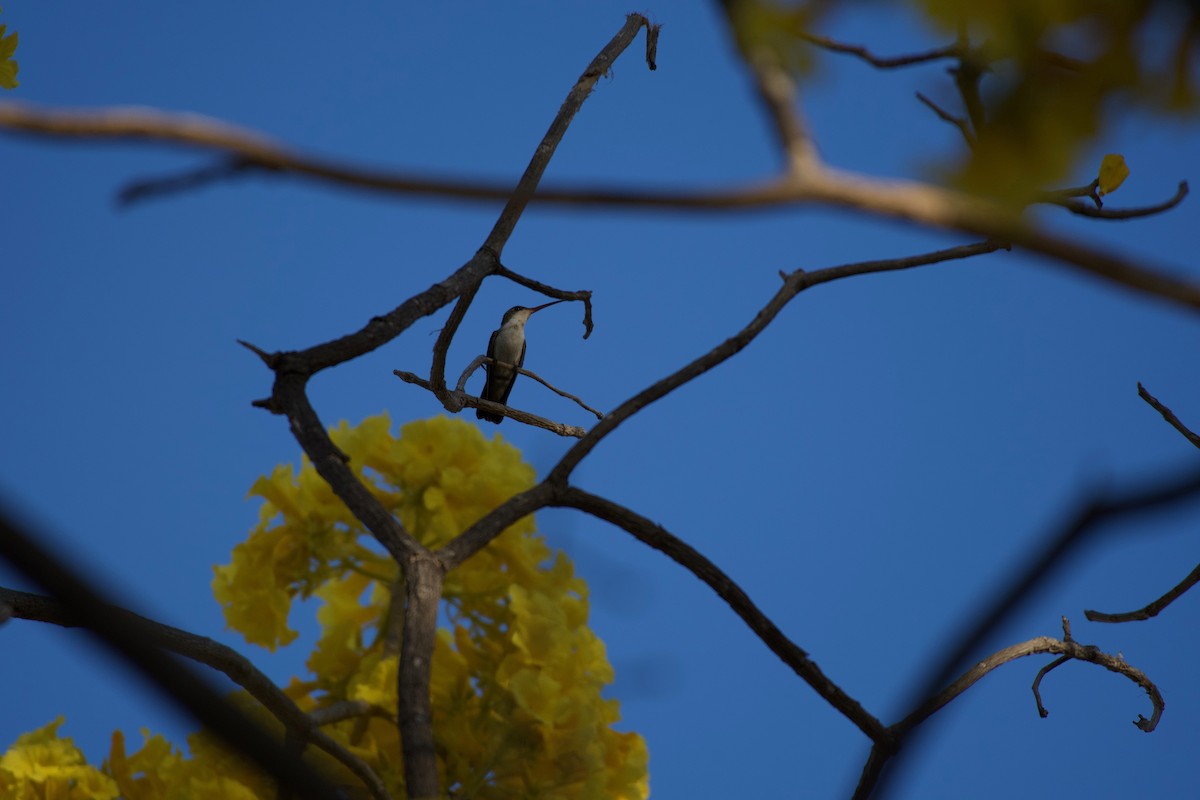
x,y
963,127
584,295
882,62
1168,415
1152,609
1041,644
1136,212
487,528
481,360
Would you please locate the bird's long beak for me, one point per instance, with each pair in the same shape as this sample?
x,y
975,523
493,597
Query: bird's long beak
x,y
545,305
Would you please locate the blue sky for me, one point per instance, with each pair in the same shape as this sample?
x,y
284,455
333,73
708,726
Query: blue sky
x,y
869,470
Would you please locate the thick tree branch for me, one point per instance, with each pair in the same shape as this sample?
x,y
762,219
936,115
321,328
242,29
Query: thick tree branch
x,y
423,579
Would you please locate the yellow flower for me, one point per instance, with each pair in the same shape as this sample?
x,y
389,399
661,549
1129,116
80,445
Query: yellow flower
x,y
41,766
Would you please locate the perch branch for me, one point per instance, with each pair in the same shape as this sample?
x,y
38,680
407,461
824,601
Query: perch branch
x,y
480,360
470,401
1151,610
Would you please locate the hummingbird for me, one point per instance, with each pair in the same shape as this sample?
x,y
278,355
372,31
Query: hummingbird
x,y
507,346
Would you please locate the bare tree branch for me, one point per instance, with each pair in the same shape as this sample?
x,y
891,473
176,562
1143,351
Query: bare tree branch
x,y
793,284
1152,609
1095,211
882,62
583,295
480,360
1168,415
470,401
946,116
690,559
558,128
777,90
483,531
423,579
1091,515
874,768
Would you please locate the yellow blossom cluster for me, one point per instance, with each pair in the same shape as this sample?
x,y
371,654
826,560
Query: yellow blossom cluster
x,y
517,674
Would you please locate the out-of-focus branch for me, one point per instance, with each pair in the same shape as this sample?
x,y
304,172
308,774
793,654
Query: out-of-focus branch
x,y
916,202
582,295
777,90
958,122
882,62
227,661
1152,609
1168,415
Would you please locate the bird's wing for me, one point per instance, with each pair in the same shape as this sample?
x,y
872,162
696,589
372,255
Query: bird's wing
x,y
507,390
487,384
